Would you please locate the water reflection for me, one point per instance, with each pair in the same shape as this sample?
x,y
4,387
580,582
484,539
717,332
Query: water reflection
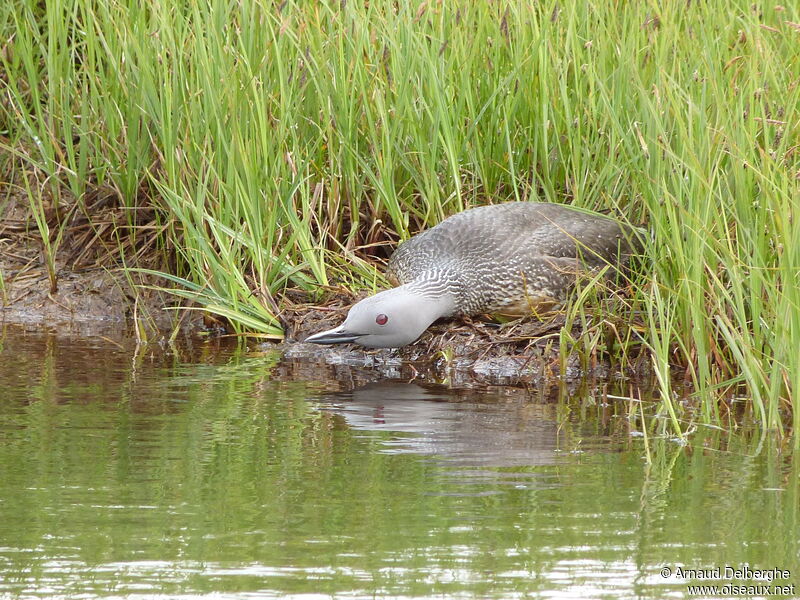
x,y
492,433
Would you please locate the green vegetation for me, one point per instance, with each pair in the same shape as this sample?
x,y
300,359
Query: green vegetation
x,y
281,144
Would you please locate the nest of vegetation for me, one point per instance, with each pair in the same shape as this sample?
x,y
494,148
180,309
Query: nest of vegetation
x,y
522,350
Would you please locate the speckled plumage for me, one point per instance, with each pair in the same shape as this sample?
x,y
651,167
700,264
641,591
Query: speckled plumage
x,y
511,258
515,259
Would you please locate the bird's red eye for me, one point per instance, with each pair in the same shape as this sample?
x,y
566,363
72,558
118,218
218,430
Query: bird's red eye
x,y
381,319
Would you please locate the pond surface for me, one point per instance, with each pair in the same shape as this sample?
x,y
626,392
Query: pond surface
x,y
220,473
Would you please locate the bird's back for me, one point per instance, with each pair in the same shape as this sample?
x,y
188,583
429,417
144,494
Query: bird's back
x,y
503,257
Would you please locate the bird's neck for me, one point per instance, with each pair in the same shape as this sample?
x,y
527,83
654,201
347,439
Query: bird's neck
x,y
433,295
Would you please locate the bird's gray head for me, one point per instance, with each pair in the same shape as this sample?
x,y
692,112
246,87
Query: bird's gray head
x,y
389,319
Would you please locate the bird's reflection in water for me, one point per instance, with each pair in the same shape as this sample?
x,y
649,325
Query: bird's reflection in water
x,y
490,432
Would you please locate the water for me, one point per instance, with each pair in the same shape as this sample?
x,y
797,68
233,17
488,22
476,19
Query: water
x,y
222,474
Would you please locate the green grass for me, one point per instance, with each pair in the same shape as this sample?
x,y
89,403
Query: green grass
x,y
283,143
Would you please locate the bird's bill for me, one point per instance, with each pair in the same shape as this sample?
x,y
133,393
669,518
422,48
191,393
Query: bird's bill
x,y
339,335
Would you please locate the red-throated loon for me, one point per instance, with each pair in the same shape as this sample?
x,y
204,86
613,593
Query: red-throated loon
x,y
513,259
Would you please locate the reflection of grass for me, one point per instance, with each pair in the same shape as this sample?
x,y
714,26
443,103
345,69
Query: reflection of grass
x,y
281,142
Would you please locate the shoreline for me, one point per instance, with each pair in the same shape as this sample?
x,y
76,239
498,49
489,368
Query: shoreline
x,y
99,303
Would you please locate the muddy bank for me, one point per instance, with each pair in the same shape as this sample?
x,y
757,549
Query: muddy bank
x,y
100,300
90,300
461,353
